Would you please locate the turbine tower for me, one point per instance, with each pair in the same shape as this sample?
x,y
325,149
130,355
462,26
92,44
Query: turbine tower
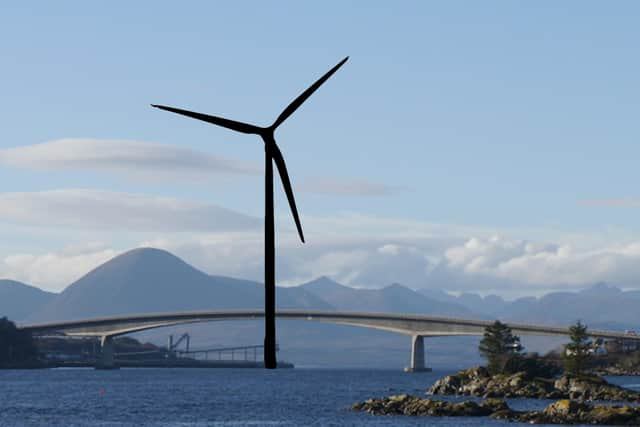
x,y
272,154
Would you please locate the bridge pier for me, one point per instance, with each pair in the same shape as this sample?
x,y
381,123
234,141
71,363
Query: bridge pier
x,y
106,360
417,355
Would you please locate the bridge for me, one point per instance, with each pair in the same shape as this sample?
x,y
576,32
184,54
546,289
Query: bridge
x,y
416,326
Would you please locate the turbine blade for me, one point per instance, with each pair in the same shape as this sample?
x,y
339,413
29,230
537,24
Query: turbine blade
x,y
306,94
229,124
276,154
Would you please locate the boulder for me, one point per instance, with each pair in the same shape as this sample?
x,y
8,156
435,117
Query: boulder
x,y
572,412
593,388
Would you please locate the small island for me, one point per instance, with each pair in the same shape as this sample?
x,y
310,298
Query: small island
x,y
510,374
478,382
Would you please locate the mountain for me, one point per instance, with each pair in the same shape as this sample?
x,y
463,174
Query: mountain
x,y
150,280
391,299
488,306
19,300
600,306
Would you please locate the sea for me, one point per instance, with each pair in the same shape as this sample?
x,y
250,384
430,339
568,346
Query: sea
x,y
188,397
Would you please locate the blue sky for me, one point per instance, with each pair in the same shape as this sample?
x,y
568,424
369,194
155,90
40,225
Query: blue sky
x,y
506,120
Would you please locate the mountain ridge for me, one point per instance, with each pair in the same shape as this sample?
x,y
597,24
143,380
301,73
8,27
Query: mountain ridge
x,y
146,280
21,299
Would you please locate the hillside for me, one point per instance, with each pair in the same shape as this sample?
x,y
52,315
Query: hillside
x,y
151,280
18,300
391,299
600,306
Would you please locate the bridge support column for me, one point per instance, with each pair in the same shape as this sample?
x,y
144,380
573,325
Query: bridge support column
x,y
417,355
106,360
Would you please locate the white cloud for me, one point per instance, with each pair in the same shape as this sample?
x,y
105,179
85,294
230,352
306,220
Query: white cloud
x,y
122,156
544,266
105,210
486,264
54,271
355,262
411,253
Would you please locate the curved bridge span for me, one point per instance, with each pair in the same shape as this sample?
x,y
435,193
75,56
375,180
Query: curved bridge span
x,y
417,326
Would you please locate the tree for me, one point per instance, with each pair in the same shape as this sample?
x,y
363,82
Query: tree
x,y
501,348
577,354
16,346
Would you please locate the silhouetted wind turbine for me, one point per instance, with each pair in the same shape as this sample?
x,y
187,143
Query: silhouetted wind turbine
x,y
272,154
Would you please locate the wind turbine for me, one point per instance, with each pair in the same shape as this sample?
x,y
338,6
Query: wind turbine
x,y
272,154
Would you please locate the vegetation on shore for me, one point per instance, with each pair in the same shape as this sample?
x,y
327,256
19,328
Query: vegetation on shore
x,y
17,349
619,363
577,354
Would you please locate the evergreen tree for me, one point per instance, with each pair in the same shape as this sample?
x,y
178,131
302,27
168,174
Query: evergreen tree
x,y
577,353
501,348
16,346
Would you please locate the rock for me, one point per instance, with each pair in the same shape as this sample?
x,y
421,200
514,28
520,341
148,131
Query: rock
x,y
411,405
477,382
593,388
561,412
572,412
563,408
495,405
617,370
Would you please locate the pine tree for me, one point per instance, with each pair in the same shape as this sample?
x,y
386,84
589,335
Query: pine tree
x,y
577,353
501,348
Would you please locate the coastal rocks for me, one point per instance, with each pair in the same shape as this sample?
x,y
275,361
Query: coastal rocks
x,y
560,412
618,371
405,404
479,383
572,412
593,388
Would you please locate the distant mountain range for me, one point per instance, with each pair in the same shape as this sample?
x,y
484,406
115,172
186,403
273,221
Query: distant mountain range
x,y
391,299
151,280
600,306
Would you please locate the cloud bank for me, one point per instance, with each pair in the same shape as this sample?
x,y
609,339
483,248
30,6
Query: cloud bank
x,y
122,156
53,271
218,241
486,265
112,211
499,265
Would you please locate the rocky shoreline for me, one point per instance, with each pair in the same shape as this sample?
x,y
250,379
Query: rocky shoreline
x,y
560,412
617,371
478,382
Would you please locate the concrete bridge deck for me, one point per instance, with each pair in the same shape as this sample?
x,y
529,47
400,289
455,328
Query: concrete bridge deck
x,y
417,326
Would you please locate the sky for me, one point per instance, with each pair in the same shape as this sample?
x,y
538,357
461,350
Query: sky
x,y
466,146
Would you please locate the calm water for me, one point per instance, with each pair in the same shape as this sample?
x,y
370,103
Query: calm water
x,y
214,397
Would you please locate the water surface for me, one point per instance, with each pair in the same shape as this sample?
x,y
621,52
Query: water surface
x,y
216,397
